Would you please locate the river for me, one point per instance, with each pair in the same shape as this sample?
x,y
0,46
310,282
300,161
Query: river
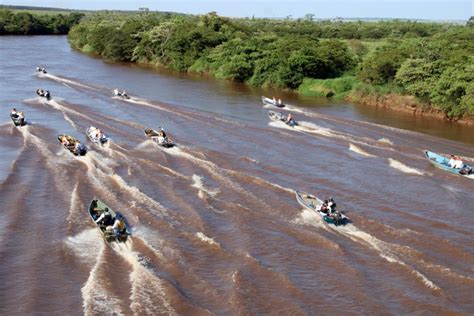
x,y
216,228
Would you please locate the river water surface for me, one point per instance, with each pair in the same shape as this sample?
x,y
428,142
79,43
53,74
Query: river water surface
x,y
215,224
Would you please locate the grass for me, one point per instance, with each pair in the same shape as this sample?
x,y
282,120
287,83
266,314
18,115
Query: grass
x,y
337,88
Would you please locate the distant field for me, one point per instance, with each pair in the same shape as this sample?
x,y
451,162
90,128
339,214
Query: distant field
x,y
40,10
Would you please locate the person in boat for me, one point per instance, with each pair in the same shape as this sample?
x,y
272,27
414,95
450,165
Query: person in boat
x,y
116,92
124,93
274,101
77,146
119,225
14,113
458,163
47,94
64,141
323,207
279,101
99,134
290,120
332,205
105,218
162,132
451,161
21,115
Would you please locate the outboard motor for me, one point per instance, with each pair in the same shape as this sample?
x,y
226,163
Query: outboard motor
x,y
80,150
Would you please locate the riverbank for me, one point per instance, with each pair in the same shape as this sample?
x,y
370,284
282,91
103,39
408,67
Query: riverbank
x,y
391,97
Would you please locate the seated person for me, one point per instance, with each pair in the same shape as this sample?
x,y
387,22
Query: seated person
x,y
105,218
458,163
323,207
119,225
64,141
14,113
451,161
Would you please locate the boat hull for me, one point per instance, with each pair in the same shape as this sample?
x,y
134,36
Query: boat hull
x,y
311,203
442,163
96,208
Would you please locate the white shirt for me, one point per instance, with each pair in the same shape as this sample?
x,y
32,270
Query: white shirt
x,y
458,164
101,217
451,162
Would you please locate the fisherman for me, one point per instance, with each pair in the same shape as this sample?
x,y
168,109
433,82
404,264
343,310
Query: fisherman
x,y
14,112
119,225
332,205
77,147
323,207
162,132
290,120
64,141
452,161
458,163
105,218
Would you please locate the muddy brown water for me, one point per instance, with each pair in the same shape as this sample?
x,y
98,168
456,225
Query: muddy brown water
x,y
216,227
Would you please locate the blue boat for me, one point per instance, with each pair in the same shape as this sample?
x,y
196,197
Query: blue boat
x,y
442,162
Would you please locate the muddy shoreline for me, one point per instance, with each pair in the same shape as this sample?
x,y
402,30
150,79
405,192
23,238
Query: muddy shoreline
x,y
406,104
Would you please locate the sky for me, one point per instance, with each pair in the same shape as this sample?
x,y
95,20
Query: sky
x,y
403,9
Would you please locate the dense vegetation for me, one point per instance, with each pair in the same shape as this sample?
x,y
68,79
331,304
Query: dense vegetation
x,y
433,62
26,23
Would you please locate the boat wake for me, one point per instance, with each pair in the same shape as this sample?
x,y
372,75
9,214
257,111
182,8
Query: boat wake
x,y
360,151
147,287
384,249
395,164
207,240
203,190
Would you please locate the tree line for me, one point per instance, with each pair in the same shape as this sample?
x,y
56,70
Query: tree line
x,y
432,62
25,23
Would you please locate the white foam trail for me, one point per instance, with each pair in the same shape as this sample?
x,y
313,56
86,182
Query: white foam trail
x,y
87,245
198,183
146,287
209,166
71,82
74,205
404,168
316,129
96,298
282,125
74,125
307,217
257,179
385,141
206,239
359,150
383,248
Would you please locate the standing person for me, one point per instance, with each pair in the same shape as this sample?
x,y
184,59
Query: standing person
x,y
274,101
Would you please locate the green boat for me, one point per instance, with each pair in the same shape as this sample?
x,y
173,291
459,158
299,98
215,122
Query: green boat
x,y
311,202
98,208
